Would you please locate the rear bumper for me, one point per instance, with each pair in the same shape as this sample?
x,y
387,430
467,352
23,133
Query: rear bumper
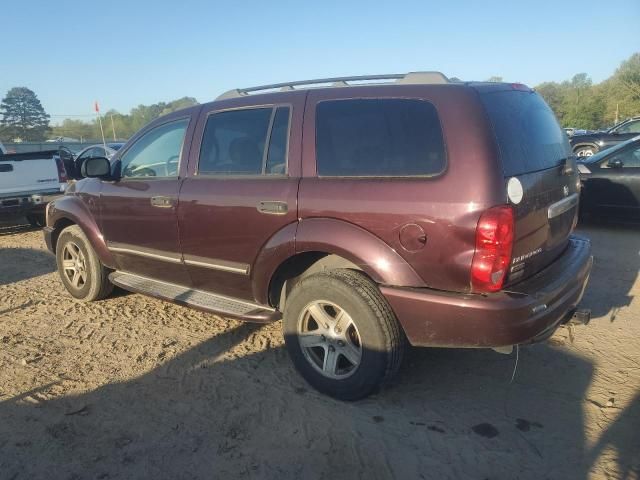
x,y
27,202
528,312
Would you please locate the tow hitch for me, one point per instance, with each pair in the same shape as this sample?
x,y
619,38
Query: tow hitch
x,y
581,316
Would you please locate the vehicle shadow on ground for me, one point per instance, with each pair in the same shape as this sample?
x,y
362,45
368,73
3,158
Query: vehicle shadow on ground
x,y
623,438
207,413
18,264
615,269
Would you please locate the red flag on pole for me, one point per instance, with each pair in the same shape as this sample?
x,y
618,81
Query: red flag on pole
x,y
96,106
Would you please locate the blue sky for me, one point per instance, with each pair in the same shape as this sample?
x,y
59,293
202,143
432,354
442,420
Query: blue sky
x,y
124,53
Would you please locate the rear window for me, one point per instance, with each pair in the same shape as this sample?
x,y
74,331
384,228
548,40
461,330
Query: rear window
x,y
378,137
527,132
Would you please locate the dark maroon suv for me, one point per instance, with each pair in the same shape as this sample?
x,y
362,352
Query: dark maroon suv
x,y
365,212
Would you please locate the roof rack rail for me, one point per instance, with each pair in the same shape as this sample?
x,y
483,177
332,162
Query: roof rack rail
x,y
414,78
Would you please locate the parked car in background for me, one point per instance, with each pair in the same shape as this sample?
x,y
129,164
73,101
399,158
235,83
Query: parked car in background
x,y
363,215
611,182
590,143
93,151
28,181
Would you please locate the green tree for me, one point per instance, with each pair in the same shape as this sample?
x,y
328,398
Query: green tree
x,y
23,116
76,129
553,94
622,91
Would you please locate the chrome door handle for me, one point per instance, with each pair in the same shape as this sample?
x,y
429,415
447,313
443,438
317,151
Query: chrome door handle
x,y
162,202
273,208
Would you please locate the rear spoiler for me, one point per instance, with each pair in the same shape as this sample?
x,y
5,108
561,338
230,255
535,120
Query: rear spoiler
x,y
19,157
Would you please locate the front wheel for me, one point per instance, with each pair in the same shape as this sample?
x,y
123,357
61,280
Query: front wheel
x,y
341,334
80,269
586,151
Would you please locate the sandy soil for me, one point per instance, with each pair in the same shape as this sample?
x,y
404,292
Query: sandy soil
x,y
132,387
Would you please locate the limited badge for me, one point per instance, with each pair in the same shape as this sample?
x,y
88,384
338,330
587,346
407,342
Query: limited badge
x,y
514,190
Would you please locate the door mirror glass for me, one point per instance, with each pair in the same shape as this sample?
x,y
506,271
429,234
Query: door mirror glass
x,y
96,167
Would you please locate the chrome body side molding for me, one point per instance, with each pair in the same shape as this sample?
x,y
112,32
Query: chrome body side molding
x,y
212,263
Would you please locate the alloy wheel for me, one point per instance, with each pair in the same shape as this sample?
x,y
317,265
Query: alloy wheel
x,y
329,339
74,265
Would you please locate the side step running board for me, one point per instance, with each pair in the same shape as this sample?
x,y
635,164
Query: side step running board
x,y
209,302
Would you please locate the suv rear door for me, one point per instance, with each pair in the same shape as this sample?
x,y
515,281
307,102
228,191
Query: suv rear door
x,y
241,189
540,175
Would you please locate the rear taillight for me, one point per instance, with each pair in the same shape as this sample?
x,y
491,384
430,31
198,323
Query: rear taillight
x,y
62,172
494,243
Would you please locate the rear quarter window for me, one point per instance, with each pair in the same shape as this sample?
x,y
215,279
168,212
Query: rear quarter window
x,y
528,134
378,137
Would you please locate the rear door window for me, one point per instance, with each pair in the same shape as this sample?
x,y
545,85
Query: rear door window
x,y
528,134
277,155
250,141
378,137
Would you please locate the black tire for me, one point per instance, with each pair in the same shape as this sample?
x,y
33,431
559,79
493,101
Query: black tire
x,y
381,340
96,285
36,220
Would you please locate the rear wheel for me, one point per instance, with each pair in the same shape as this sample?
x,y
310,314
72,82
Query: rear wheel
x,y
342,335
80,269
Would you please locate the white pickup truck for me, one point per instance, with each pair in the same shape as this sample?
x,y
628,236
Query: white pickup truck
x,y
28,181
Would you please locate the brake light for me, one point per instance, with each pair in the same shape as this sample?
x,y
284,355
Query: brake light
x,y
62,172
494,243
520,86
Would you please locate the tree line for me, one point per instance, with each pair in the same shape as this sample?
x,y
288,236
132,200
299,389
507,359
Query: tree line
x,y
577,103
580,103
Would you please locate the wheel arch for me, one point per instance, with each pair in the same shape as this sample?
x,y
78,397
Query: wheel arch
x,y
68,211
299,266
321,244
581,144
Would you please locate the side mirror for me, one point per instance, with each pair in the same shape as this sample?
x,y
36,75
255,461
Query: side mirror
x,y
615,164
96,167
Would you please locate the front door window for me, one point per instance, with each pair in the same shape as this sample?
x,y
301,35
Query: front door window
x,y
157,153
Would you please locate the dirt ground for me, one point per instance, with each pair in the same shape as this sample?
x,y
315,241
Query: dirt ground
x,y
132,387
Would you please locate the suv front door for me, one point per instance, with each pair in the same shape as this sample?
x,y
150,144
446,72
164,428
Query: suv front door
x,y
241,189
138,212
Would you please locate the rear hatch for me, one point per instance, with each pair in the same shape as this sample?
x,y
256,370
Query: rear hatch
x,y
540,176
22,173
